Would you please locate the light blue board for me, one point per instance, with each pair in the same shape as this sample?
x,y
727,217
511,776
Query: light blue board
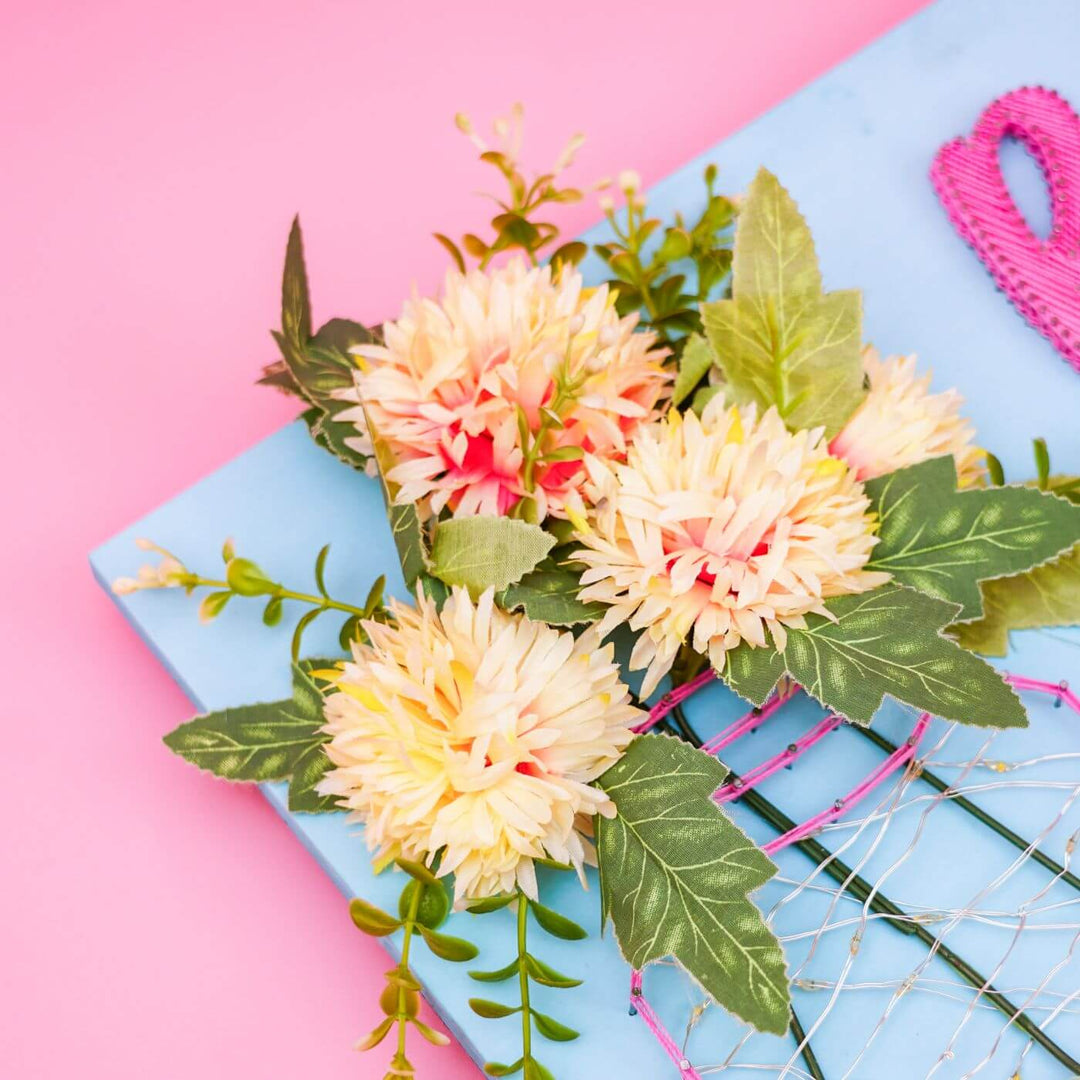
x,y
854,148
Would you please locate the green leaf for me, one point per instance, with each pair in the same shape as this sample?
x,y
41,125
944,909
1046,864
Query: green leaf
x,y
501,975
255,742
495,1068
307,771
535,1071
549,594
404,520
887,641
371,1040
247,578
295,299
547,976
273,610
417,870
372,920
703,397
320,569
697,357
479,552
552,1029
453,249
492,1010
555,924
490,903
944,542
1049,595
675,873
445,947
779,339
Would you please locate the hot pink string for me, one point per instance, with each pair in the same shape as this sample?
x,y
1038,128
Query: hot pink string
x,y
674,697
652,1022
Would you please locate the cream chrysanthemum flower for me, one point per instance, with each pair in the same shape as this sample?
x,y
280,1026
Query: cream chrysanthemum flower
x,y
901,423
459,379
476,733
722,527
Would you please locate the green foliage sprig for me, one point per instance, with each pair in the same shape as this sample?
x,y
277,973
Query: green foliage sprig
x,y
650,278
516,226
422,908
527,968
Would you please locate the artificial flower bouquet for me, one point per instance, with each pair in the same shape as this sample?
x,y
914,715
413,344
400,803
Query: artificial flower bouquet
x,y
701,451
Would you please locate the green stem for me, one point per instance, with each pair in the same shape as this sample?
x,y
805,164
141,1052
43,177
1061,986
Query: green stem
x,y
808,1055
406,943
523,976
195,581
976,811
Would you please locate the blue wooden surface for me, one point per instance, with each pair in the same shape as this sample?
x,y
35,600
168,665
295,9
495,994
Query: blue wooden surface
x,y
854,148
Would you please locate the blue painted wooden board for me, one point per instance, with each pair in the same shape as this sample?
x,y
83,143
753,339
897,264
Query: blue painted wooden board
x,y
854,148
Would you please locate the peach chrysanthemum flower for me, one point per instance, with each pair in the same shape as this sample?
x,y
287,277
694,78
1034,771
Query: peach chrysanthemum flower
x,y
721,528
477,733
901,423
466,389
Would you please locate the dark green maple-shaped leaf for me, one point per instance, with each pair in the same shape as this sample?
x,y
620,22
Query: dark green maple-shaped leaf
x,y
675,873
944,542
267,741
549,594
780,340
887,641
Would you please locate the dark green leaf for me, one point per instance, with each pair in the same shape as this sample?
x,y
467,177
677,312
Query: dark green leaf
x,y
307,771
675,873
887,641
1042,463
944,542
554,923
549,594
295,300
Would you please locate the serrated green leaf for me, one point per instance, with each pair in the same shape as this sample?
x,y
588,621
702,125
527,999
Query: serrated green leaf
x,y
550,1028
1049,595
307,771
886,641
555,924
508,972
295,300
492,1010
779,339
455,949
675,873
254,742
547,976
697,357
549,594
944,542
372,920
483,552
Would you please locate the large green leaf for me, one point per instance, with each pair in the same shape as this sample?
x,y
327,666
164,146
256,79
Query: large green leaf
x,y
267,741
1049,595
695,361
780,340
944,542
549,594
887,641
675,873
481,552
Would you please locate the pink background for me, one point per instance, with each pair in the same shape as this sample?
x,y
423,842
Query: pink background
x,y
155,923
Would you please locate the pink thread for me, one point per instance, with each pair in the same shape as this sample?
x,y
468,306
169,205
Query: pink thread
x,y
748,722
672,698
652,1022
1060,690
751,779
1041,277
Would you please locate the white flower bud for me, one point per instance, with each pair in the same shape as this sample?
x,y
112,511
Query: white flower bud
x,y
124,586
607,203
594,364
576,325
566,158
607,337
551,362
629,180
145,545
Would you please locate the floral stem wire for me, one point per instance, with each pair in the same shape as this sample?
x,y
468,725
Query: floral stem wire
x,y
894,916
977,812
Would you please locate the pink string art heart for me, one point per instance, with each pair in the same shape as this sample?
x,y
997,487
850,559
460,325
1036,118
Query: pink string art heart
x,y
1041,277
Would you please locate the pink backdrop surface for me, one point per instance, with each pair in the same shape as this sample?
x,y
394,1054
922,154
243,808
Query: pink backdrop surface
x,y
155,923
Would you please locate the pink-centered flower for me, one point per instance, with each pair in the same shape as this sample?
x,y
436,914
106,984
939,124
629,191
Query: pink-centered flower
x,y
900,423
476,733
720,529
492,393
